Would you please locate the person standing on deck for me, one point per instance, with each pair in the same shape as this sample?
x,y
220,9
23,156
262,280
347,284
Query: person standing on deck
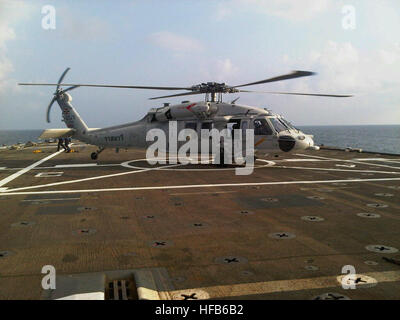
x,y
60,144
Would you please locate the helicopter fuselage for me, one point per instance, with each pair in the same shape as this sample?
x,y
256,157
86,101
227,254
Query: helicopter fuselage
x,y
272,133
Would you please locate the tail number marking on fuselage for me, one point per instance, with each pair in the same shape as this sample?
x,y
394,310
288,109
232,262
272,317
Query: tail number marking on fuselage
x,y
114,138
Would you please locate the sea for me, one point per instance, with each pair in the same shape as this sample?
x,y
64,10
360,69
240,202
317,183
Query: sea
x,y
375,138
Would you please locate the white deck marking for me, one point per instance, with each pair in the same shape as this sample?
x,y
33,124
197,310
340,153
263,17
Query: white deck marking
x,y
339,170
206,192
49,174
3,168
300,160
91,178
12,191
353,161
265,287
25,170
78,165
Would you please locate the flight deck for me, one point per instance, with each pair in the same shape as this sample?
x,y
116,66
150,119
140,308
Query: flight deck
x,y
120,228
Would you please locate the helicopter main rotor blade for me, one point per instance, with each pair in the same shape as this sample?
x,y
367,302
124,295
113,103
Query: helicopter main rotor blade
x,y
70,88
62,77
294,74
176,95
104,86
302,94
49,107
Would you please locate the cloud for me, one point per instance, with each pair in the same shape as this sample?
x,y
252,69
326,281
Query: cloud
x,y
11,13
178,44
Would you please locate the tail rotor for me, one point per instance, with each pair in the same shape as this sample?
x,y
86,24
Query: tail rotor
x,y
58,93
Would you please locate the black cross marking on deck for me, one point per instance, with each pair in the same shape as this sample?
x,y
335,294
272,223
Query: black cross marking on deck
x,y
162,243
381,248
358,280
84,231
312,218
231,260
334,297
24,223
2,255
188,297
281,235
150,217
198,224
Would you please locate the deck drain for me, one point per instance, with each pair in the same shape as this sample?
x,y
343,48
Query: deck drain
x,y
312,218
86,209
121,290
384,194
161,244
311,268
357,280
84,232
231,260
377,205
245,212
4,254
331,296
369,215
282,235
379,248
315,198
23,224
371,263
190,295
269,199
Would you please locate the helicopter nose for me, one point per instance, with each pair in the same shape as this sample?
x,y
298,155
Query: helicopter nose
x,y
286,143
306,142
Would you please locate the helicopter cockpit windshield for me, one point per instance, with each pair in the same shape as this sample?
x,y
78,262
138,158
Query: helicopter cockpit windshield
x,y
288,124
279,126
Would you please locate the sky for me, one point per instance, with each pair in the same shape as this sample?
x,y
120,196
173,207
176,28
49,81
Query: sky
x,y
186,42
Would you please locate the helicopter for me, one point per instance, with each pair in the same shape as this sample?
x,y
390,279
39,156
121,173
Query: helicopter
x,y
272,132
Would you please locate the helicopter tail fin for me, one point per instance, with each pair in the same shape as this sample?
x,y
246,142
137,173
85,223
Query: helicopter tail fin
x,y
71,117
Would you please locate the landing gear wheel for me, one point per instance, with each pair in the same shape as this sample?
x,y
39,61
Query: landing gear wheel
x,y
94,155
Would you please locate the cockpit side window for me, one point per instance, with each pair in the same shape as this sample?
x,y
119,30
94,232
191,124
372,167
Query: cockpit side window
x,y
261,127
278,126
